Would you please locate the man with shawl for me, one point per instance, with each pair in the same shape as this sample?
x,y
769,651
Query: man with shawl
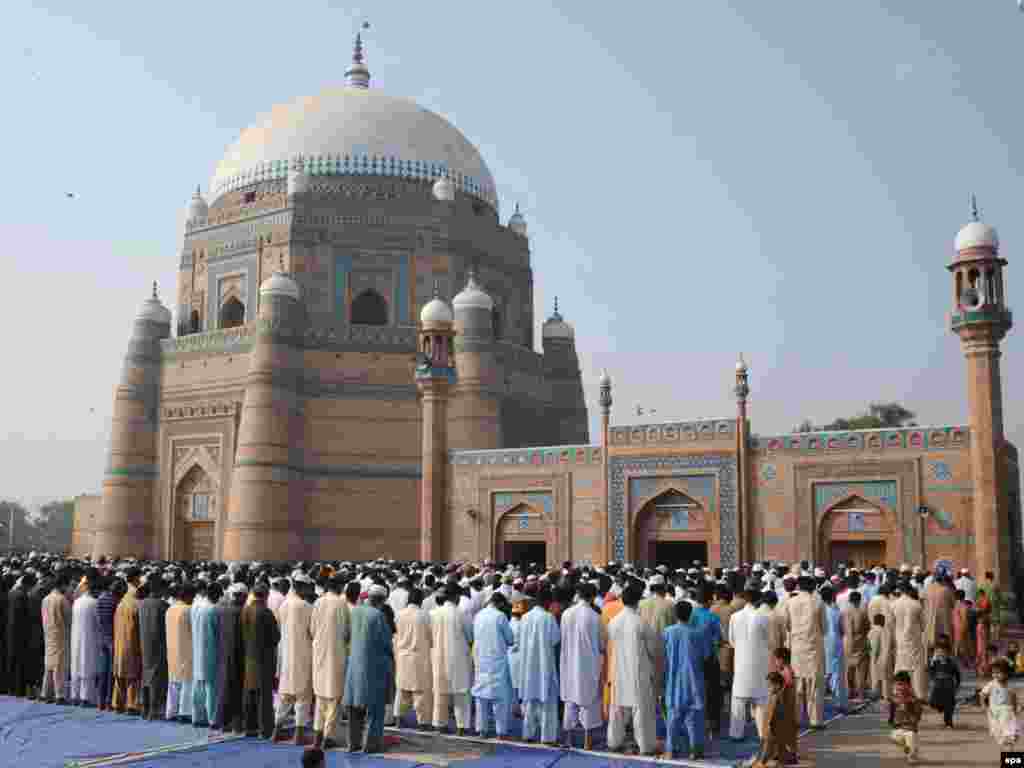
x,y
331,630
127,650
749,633
260,637
295,673
85,642
908,631
658,610
584,641
805,622
685,649
153,644
56,611
232,661
492,637
637,658
450,661
179,654
19,629
938,603
369,674
205,656
856,626
611,608
995,599
414,682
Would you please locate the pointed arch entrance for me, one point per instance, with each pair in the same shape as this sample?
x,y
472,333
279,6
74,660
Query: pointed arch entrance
x,y
858,532
673,529
521,536
196,505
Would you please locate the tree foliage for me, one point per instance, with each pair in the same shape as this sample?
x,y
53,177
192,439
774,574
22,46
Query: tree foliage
x,y
877,416
47,528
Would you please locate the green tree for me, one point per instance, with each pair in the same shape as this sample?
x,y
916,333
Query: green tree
x,y
877,416
13,513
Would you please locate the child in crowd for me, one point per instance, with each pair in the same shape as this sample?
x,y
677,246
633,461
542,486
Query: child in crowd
x,y
773,750
906,714
1001,704
1012,652
945,675
780,663
882,660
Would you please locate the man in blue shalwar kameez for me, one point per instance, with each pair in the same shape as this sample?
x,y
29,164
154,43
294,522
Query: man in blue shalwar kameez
x,y
205,656
539,638
369,673
684,683
492,689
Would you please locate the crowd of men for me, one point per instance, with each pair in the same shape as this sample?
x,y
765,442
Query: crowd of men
x,y
252,647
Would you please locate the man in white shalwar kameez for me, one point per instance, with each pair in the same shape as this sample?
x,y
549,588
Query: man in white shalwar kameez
x,y
414,682
908,631
538,686
295,685
584,641
85,644
450,660
750,636
805,622
637,668
492,638
329,625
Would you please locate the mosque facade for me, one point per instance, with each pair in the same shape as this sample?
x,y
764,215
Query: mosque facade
x,y
320,397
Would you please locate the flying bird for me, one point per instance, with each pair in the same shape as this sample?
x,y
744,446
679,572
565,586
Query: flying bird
x,y
69,194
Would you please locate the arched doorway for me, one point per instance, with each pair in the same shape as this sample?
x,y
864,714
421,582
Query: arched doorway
x,y
856,532
232,313
674,530
521,536
195,515
369,308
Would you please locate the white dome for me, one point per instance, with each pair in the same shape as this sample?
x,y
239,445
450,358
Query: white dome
x,y
444,189
741,365
298,182
557,328
154,311
352,130
473,297
605,380
280,284
436,312
977,234
197,208
517,223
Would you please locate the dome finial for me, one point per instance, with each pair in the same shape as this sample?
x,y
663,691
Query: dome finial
x,y
280,260
154,289
974,207
437,288
358,76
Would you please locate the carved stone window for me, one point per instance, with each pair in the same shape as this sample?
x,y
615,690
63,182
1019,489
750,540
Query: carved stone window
x,y
232,314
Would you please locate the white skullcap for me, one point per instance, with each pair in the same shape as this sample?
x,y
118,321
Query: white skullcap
x,y
656,580
238,589
819,573
378,591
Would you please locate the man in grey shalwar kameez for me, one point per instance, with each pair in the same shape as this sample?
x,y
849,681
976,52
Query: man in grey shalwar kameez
x,y
369,673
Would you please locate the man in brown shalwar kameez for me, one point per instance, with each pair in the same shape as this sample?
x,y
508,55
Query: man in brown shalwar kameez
x,y
57,641
127,649
856,627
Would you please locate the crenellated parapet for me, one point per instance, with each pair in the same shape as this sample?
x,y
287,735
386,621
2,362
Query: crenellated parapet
x,y
954,437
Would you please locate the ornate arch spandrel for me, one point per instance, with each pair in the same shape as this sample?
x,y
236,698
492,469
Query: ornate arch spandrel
x,y
824,521
709,533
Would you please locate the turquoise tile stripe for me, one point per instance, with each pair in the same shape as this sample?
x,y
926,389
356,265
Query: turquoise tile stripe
x,y
401,298
342,268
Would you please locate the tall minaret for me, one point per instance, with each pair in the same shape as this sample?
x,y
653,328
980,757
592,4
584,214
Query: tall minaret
x,y
435,375
980,318
476,422
605,401
265,511
741,390
126,522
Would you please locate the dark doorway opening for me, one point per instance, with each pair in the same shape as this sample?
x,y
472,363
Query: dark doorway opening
x,y
677,554
525,552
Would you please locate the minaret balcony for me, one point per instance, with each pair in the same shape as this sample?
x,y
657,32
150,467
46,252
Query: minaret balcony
x,y
990,315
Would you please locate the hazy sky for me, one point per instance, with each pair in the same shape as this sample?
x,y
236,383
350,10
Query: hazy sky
x,y
700,178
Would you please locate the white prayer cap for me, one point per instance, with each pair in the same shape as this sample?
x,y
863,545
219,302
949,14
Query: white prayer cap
x,y
615,589
904,567
692,571
964,571
532,577
378,591
656,580
819,573
917,569
238,588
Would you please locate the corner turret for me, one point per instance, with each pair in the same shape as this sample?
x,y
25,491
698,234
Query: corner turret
x,y
476,408
126,521
568,419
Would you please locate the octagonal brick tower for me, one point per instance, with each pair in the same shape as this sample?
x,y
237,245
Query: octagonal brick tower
x,y
981,320
125,525
265,515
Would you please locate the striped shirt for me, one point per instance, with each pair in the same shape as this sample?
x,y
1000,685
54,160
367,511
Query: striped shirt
x,y
105,606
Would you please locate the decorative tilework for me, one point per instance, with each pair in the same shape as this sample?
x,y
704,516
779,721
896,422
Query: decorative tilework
x,y
940,471
342,268
247,267
356,164
768,473
883,491
571,454
724,467
642,489
680,520
674,432
541,500
946,437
